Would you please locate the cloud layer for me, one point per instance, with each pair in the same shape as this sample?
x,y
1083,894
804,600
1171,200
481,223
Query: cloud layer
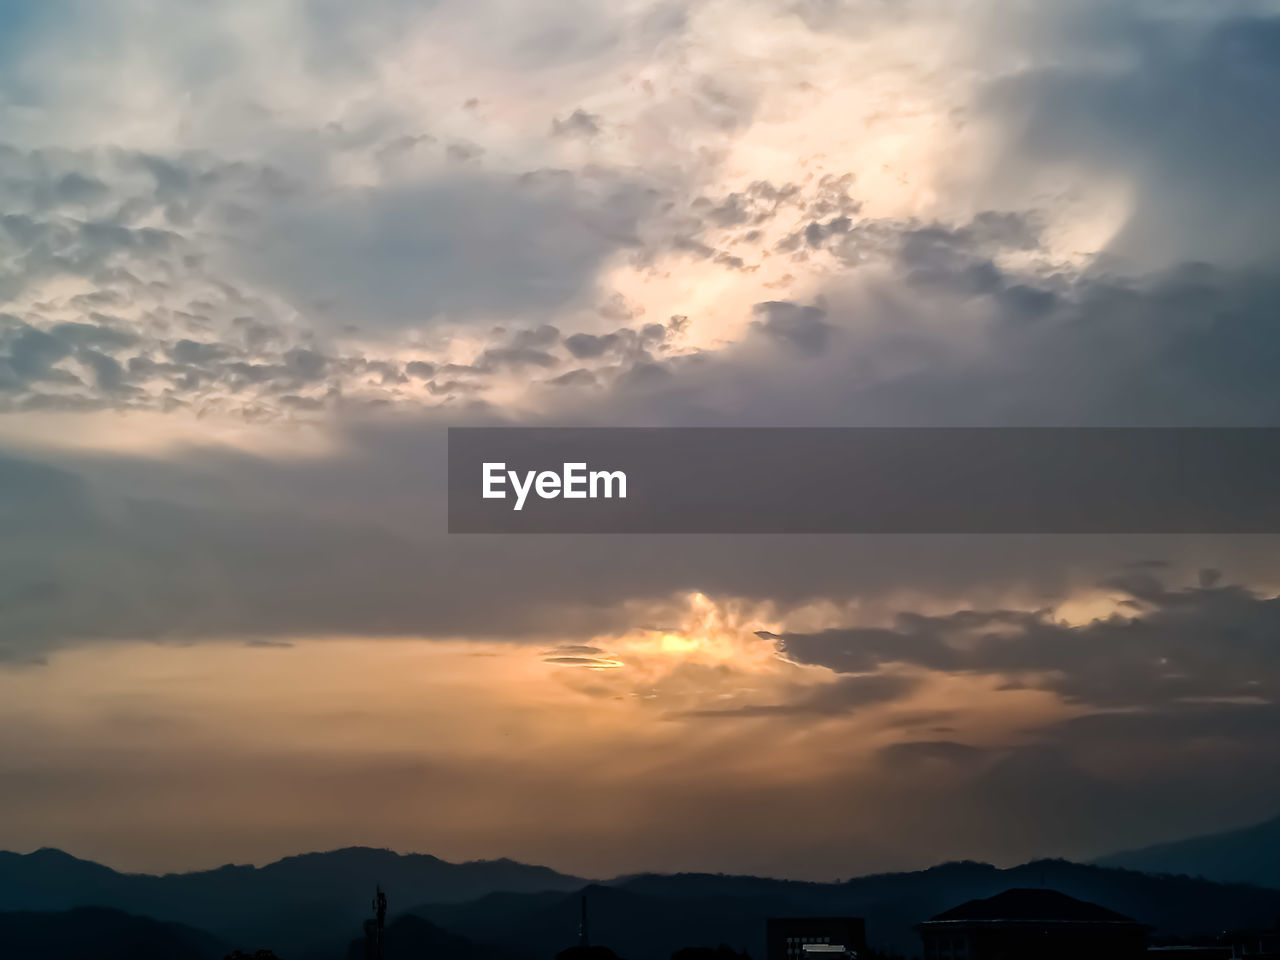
x,y
254,260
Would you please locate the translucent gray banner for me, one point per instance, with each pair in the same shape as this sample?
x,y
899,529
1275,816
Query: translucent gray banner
x,y
864,480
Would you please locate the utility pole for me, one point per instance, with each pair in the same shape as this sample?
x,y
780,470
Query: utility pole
x,y
584,932
380,908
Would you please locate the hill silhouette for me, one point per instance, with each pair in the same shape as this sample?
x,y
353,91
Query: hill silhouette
x,y
636,925
96,933
312,907
295,906
1249,855
648,917
412,938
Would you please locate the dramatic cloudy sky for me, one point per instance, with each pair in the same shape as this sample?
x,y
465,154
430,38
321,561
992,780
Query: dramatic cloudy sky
x,y
256,256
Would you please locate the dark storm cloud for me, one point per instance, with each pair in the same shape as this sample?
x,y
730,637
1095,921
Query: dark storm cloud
x,y
104,364
623,344
951,260
1190,345
586,345
521,244
1174,108
1175,342
824,208
799,327
513,358
922,322
937,332
1175,646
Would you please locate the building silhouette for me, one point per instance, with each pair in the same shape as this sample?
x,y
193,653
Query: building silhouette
x,y
1232,945
1253,944
815,938
1025,924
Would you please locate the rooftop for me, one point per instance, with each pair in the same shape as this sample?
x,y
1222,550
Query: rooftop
x,y
1032,905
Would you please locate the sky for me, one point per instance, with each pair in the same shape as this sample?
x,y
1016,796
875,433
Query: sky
x,y
256,257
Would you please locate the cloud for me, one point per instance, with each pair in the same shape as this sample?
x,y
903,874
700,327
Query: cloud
x,y
914,752
625,343
595,663
1209,643
574,378
801,328
928,328
479,245
531,244
577,124
840,697
1201,180
365,227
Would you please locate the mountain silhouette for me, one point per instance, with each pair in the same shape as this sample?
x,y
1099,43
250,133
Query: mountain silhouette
x,y
293,906
636,925
649,917
412,938
96,933
1249,855
312,907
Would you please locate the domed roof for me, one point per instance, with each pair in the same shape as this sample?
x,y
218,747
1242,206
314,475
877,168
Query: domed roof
x,y
1029,905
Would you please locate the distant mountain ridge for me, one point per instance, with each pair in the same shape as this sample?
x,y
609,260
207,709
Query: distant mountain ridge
x,y
1247,855
294,905
103,935
411,938
312,906
649,916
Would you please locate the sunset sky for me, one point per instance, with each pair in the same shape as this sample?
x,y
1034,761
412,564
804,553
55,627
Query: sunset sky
x,y
256,256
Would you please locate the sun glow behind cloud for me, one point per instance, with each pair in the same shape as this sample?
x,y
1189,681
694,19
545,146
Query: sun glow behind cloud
x,y
685,107
413,726
255,256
